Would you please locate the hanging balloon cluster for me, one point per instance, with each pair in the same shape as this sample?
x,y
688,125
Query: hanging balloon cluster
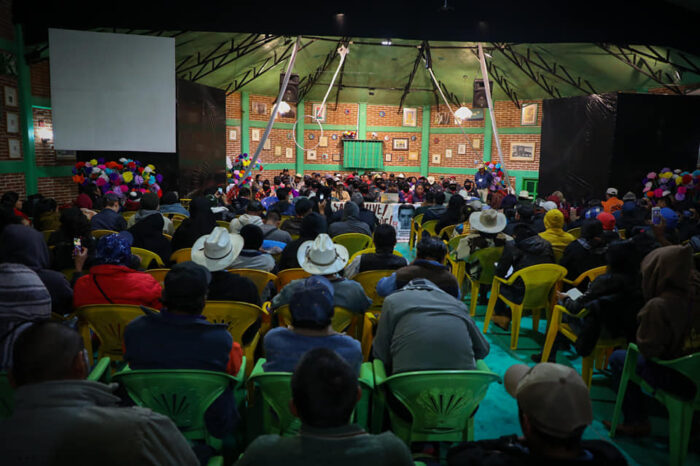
x,y
668,182
118,177
498,181
239,166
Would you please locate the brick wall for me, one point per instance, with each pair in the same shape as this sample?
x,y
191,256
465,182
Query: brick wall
x,y
9,81
60,188
45,152
391,116
13,182
41,79
507,140
343,114
279,138
7,29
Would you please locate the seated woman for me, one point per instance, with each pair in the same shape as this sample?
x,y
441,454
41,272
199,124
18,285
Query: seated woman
x,y
201,222
311,307
74,226
46,215
454,214
112,280
587,252
251,257
148,234
613,301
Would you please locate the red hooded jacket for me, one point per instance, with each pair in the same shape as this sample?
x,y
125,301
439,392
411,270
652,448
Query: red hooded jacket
x,y
120,284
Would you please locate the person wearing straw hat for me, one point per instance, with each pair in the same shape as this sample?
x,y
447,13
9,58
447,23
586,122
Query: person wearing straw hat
x,y
486,231
554,409
323,257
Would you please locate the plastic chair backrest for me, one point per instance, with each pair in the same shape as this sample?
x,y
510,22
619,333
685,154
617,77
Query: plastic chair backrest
x,y
447,231
128,213
429,226
185,203
539,281
176,223
158,274
440,402
341,320
689,366
237,315
167,236
369,281
353,242
369,251
178,217
183,394
417,219
7,396
487,258
575,232
285,277
259,277
276,390
591,275
147,257
454,242
109,321
622,233
223,223
47,234
181,255
97,234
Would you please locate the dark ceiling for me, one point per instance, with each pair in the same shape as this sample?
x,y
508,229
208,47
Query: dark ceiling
x,y
672,23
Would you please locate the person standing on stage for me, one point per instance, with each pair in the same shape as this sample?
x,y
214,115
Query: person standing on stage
x,y
483,180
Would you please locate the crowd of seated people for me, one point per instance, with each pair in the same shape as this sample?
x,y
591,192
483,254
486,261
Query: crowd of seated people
x,y
651,273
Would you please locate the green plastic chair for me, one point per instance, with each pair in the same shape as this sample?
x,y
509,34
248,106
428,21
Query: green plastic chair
x,y
428,227
487,258
182,394
441,403
7,396
275,391
680,412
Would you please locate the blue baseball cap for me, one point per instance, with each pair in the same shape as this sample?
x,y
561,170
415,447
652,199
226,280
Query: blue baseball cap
x,y
313,301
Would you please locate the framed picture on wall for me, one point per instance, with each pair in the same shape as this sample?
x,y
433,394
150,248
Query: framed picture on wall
x,y
522,151
528,115
462,149
267,145
12,122
10,96
413,156
448,153
289,153
400,144
13,144
477,114
410,117
387,157
311,155
318,112
233,134
255,135
336,157
278,150
443,118
259,108
323,141
436,158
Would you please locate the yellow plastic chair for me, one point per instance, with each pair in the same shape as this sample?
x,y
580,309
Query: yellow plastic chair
x,y
622,233
176,223
487,258
353,242
369,251
575,232
223,223
369,281
127,214
259,277
147,257
47,234
108,321
181,218
97,234
168,237
181,255
186,203
589,275
341,321
415,228
285,277
158,274
284,218
428,226
600,352
540,282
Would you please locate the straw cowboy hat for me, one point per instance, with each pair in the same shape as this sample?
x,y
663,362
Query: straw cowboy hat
x,y
217,250
321,256
488,221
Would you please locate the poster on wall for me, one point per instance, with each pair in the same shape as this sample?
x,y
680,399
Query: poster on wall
x,y
410,117
10,96
255,135
528,115
289,153
233,134
397,215
12,122
319,112
14,147
522,151
311,155
462,149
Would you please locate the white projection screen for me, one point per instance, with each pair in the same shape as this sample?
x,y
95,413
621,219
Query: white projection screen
x,y
112,92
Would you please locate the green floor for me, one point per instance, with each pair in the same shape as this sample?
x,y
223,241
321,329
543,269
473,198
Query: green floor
x,y
498,413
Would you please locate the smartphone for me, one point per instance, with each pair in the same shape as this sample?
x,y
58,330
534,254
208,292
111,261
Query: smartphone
x,y
221,190
77,246
320,197
656,215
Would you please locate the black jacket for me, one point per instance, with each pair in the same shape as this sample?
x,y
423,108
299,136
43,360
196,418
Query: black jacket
x,y
581,256
525,253
107,219
148,234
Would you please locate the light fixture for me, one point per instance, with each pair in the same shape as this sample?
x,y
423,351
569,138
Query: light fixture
x,y
463,113
45,133
386,42
283,108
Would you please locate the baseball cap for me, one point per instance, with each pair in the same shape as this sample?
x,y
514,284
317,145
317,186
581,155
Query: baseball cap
x,y
313,301
611,191
554,397
608,220
111,197
549,205
629,196
186,281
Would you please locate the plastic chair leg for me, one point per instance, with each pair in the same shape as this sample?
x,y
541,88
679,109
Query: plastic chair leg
x,y
489,310
679,425
517,312
474,298
470,429
629,369
549,340
587,369
84,330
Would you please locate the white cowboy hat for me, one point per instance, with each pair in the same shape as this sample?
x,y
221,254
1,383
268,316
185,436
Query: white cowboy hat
x,y
321,256
524,195
488,221
217,250
431,179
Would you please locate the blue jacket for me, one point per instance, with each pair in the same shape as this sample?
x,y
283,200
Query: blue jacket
x,y
107,219
483,181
